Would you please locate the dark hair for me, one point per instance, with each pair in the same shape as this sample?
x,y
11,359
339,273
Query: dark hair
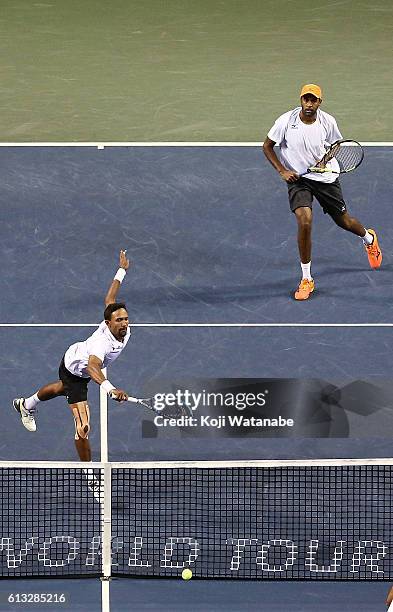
x,y
111,308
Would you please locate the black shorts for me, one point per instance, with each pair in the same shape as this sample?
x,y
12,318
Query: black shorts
x,y
75,386
329,195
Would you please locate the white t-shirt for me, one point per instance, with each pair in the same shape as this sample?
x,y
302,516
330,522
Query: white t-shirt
x,y
101,343
302,145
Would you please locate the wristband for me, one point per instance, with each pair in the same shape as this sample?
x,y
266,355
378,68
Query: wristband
x,y
107,386
120,274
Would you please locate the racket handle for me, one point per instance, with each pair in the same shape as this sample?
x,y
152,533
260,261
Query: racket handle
x,y
129,399
133,400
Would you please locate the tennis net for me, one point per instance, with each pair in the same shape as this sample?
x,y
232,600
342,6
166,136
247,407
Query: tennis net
x,y
311,519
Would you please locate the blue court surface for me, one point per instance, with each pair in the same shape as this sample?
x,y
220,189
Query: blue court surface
x,y
212,241
169,354
208,229
203,596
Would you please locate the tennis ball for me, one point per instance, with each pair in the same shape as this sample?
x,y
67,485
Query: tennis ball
x,y
186,574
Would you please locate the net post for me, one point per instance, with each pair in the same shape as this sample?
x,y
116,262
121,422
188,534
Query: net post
x,y
105,597
106,526
104,422
106,537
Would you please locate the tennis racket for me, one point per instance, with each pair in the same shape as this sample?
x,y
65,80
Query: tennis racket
x,y
175,411
348,153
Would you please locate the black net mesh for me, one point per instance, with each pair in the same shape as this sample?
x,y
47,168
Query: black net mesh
x,y
283,522
50,522
249,522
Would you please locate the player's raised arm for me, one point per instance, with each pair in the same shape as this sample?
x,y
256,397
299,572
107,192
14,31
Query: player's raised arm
x,y
124,264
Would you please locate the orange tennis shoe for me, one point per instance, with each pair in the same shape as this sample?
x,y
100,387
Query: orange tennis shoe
x,y
374,252
305,289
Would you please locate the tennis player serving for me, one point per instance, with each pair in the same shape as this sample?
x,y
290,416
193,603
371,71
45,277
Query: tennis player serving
x,y
83,362
303,135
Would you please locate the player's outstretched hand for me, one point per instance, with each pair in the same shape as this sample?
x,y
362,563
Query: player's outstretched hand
x,y
124,262
119,395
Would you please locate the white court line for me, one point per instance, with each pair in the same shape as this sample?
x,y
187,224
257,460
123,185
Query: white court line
x,y
103,144
203,325
222,464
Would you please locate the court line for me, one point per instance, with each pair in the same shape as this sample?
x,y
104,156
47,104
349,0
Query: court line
x,y
198,463
104,144
38,325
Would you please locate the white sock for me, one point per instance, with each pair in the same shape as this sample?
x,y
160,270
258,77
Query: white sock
x,y
368,238
32,401
306,270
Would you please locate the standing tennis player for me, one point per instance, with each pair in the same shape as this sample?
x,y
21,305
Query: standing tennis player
x,y
303,134
84,361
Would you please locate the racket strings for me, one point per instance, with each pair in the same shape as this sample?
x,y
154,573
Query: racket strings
x,y
176,411
349,156
169,410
